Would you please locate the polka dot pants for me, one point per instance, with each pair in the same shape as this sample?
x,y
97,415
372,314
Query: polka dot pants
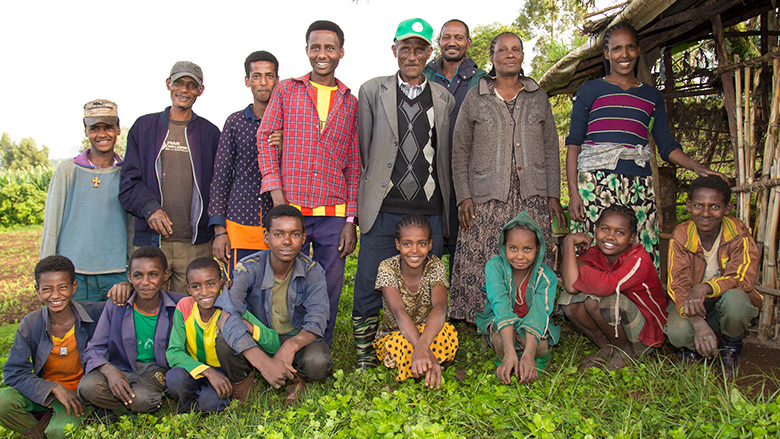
x,y
395,351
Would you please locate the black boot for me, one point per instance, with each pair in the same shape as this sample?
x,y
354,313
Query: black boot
x,y
364,330
687,356
729,351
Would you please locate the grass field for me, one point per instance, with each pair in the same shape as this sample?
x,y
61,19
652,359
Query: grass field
x,y
653,398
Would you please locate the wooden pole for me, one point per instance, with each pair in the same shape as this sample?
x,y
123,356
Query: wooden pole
x,y
728,81
771,154
739,157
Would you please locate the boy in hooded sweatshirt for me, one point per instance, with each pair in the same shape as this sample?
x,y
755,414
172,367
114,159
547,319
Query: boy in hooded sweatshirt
x,y
520,292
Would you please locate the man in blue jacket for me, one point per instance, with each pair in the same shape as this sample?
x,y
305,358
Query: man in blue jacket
x,y
167,173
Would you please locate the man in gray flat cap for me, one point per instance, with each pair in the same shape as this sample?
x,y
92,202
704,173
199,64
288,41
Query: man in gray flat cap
x,y
167,174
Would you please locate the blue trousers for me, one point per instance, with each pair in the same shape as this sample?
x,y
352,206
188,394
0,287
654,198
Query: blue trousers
x,y
94,287
323,233
189,391
376,246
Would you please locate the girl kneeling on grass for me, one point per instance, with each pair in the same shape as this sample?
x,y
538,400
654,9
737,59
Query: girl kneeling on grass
x,y
595,281
413,336
520,298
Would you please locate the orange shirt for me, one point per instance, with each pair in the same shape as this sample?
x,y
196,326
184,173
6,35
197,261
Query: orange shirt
x,y
64,364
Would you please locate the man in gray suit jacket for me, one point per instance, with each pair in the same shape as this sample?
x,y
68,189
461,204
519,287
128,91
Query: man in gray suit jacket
x,y
403,131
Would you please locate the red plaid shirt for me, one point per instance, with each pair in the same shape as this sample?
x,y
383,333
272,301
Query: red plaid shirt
x,y
317,168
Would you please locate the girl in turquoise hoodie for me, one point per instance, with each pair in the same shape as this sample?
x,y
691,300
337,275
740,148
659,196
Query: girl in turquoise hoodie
x,y
520,298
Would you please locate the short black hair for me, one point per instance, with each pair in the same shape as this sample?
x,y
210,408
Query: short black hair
x,y
148,252
326,25
283,210
628,212
455,20
52,264
203,263
711,182
416,220
260,55
608,34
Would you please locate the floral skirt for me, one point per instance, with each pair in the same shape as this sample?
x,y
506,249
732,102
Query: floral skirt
x,y
480,244
600,189
395,351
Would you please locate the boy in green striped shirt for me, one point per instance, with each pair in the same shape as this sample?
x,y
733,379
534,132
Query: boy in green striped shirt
x,y
198,373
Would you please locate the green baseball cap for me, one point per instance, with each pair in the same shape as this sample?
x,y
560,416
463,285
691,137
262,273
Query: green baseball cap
x,y
414,28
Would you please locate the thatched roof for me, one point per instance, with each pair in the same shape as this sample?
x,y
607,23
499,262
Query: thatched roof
x,y
660,23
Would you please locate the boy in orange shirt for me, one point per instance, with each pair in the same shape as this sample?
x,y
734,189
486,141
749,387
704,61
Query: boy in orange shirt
x,y
44,365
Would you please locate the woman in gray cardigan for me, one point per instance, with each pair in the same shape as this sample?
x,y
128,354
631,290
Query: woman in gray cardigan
x,y
505,159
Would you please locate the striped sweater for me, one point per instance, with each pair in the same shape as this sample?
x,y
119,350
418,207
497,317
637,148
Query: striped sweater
x,y
192,344
604,112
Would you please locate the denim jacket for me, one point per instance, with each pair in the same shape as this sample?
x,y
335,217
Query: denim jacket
x,y
115,340
33,344
307,298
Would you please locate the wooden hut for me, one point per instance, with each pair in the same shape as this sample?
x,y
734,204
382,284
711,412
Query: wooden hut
x,y
747,92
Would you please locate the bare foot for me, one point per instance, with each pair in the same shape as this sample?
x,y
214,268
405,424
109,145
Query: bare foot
x,y
618,361
294,394
596,358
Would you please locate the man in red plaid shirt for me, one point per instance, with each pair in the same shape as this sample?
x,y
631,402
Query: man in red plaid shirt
x,y
318,168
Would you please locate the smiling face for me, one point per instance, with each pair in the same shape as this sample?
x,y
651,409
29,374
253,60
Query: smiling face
x,y
622,53
454,41
184,92
102,136
285,237
414,245
707,209
204,285
521,249
324,51
614,235
55,289
508,55
412,54
262,80
147,276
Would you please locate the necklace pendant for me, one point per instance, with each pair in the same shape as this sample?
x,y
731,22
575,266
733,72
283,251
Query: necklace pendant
x,y
96,181
63,350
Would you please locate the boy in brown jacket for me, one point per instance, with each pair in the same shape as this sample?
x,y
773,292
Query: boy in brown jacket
x,y
713,262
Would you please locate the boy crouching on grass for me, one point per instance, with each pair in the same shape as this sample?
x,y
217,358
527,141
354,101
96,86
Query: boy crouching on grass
x,y
713,262
44,365
125,361
197,372
287,292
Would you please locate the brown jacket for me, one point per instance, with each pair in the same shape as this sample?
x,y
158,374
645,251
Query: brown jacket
x,y
483,142
737,253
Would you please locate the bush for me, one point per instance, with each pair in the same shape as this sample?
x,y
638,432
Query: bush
x,y
21,204
23,195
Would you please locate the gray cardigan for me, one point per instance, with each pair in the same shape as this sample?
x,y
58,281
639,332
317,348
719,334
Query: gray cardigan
x,y
483,139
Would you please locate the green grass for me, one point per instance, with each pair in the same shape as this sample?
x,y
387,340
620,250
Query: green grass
x,y
654,398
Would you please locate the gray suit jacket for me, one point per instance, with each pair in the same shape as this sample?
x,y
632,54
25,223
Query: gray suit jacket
x,y
378,138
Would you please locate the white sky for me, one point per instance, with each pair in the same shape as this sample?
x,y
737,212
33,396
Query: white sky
x,y
56,56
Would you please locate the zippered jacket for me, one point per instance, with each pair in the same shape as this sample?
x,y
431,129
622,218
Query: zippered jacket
x,y
33,344
737,255
139,188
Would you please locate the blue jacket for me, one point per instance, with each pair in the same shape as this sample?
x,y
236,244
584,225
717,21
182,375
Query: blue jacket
x,y
33,344
139,188
115,341
307,298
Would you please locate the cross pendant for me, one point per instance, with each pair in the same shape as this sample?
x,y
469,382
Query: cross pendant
x,y
96,181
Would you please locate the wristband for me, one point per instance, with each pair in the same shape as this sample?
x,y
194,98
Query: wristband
x,y
220,234
352,220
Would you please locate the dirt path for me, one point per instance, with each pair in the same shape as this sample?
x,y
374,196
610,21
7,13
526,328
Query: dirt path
x,y
18,256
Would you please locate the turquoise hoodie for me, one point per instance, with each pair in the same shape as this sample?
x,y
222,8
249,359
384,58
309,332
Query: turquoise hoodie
x,y
501,291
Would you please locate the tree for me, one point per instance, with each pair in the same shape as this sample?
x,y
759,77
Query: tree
x,y
22,155
119,148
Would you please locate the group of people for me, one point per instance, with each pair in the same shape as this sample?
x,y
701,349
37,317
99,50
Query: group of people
x,y
203,255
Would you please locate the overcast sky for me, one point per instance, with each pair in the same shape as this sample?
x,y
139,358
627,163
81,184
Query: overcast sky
x,y
56,56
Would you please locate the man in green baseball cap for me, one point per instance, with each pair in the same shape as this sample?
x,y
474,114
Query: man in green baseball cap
x,y
408,150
